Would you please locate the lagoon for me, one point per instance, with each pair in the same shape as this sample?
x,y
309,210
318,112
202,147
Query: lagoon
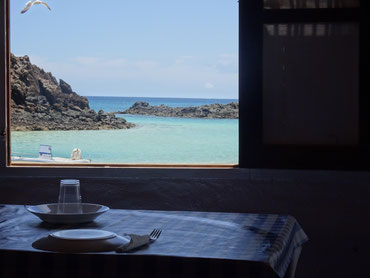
x,y
153,140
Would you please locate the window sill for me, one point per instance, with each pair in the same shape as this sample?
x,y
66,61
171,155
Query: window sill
x,y
103,171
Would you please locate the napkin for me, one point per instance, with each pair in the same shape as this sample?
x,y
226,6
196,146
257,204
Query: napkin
x,y
135,242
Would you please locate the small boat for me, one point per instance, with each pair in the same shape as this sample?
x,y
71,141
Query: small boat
x,y
45,156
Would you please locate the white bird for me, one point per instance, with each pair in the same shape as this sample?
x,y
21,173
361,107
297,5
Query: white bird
x,y
29,4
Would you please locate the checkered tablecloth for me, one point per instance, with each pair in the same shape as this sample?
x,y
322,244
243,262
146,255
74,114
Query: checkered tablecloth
x,y
266,239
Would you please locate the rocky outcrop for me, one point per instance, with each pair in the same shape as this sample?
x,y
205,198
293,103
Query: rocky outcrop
x,y
40,102
211,111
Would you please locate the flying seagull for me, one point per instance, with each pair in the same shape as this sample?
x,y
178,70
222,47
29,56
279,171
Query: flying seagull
x,y
29,4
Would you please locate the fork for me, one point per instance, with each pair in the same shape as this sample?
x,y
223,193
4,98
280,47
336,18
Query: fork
x,y
154,235
139,241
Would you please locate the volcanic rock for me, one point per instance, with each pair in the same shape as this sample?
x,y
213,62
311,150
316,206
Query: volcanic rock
x,y
40,102
211,111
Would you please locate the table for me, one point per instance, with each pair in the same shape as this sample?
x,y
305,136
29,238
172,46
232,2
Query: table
x,y
192,244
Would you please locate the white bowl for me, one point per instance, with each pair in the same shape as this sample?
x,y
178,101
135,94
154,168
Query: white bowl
x,y
48,213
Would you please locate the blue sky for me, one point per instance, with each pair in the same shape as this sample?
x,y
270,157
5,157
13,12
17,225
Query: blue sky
x,y
157,48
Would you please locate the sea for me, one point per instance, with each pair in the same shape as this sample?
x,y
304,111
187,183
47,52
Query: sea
x,y
154,140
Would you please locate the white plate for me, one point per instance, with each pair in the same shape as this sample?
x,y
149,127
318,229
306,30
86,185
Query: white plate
x,y
48,213
81,241
83,234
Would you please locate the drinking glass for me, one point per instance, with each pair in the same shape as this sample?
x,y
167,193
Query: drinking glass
x,y
69,200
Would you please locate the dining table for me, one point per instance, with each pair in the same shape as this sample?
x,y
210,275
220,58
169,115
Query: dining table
x,y
192,244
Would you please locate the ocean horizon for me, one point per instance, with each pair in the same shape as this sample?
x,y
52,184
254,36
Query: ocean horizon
x,y
153,140
115,103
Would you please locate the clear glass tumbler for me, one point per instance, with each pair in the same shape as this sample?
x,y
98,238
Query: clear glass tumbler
x,y
69,200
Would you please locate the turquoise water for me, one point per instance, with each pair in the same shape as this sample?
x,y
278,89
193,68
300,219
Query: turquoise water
x,y
153,140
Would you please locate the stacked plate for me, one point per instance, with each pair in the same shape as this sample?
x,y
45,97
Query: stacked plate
x,y
75,240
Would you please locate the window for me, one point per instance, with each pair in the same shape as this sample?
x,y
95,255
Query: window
x,y
257,147
311,72
301,91
170,71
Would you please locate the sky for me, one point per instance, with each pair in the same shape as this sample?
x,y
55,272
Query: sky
x,y
149,48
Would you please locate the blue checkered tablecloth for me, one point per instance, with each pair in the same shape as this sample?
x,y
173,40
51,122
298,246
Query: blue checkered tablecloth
x,y
266,239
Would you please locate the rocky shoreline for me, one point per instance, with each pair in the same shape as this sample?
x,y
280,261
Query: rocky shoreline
x,y
39,102
211,111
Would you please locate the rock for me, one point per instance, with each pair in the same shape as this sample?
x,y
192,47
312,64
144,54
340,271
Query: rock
x,y
18,95
57,107
40,102
65,87
140,104
212,111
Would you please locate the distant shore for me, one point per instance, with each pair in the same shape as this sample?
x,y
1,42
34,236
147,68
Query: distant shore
x,y
211,111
